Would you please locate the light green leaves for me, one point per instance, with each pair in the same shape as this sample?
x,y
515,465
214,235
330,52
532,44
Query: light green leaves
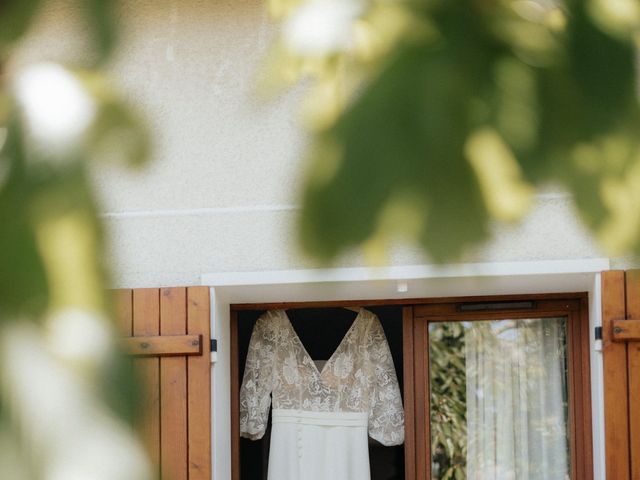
x,y
461,114
400,141
58,121
506,194
67,396
15,19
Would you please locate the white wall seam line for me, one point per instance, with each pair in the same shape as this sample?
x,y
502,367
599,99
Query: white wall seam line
x,y
243,209
190,212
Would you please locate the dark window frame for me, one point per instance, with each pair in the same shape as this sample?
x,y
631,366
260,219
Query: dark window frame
x,y
579,374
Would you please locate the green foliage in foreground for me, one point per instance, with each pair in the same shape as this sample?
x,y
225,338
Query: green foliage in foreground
x,y
67,398
441,116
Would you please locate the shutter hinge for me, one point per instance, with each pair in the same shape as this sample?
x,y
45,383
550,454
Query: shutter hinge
x,y
213,345
598,333
597,344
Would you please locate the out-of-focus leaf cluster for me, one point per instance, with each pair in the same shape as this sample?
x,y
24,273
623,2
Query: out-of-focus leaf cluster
x,y
46,203
67,397
431,118
16,17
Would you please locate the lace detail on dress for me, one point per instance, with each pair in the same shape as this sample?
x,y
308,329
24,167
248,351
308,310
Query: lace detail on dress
x,y
386,416
258,381
359,377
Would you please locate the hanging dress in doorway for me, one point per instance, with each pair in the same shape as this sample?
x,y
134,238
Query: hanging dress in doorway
x,y
321,418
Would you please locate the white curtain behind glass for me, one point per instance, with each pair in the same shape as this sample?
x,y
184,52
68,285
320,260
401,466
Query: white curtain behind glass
x,y
516,400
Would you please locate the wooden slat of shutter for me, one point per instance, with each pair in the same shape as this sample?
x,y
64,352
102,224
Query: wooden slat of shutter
x,y
123,309
633,363
173,388
146,321
616,394
199,386
634,407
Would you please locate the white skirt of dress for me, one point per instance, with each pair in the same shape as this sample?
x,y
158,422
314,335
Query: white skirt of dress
x,y
318,446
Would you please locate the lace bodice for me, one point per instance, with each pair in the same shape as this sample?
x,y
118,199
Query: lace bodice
x,y
358,377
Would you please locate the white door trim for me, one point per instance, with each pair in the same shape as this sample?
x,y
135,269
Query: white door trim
x,y
412,281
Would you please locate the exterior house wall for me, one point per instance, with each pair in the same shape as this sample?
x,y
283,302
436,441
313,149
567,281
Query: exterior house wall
x,y
221,192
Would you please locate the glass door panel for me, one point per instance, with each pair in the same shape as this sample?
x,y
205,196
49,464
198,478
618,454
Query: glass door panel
x,y
498,399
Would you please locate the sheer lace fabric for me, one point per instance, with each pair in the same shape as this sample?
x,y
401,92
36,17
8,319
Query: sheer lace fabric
x,y
358,377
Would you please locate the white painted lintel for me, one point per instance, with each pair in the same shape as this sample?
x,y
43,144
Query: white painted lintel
x,y
406,272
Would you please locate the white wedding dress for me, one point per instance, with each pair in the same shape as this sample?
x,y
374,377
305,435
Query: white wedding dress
x,y
320,417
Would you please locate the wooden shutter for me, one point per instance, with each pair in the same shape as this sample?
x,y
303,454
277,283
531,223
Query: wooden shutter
x,y
621,357
168,335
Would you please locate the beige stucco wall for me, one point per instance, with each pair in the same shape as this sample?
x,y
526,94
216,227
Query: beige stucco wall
x,y
221,192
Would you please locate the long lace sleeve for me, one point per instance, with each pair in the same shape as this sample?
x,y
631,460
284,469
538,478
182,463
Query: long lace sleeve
x,y
257,383
386,415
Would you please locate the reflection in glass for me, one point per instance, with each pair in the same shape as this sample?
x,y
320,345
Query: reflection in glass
x,y
498,400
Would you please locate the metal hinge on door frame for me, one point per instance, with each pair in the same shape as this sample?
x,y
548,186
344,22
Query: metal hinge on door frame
x,y
597,334
213,344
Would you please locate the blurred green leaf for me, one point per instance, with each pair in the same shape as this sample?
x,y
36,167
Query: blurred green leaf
x,y
102,20
23,285
124,401
401,141
118,134
56,341
454,129
15,19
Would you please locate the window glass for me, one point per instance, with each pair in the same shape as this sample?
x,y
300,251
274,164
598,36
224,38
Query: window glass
x,y
498,399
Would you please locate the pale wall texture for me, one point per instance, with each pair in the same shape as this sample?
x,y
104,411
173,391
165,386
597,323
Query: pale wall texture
x,y
221,193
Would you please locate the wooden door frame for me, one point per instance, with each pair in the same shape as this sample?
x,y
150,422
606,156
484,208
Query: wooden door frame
x,y
416,457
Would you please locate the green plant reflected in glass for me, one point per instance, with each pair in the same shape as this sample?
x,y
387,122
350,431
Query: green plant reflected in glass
x,y
498,399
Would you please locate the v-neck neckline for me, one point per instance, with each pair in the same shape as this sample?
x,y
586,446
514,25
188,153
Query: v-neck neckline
x,y
321,371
